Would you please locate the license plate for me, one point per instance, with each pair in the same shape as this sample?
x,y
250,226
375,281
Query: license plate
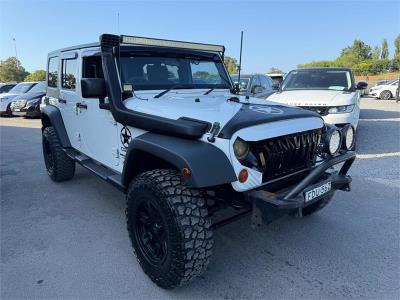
x,y
317,191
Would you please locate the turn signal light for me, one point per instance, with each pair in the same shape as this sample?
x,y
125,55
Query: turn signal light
x,y
186,172
243,175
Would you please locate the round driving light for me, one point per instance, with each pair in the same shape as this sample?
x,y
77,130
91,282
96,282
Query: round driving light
x,y
240,148
243,175
349,137
334,142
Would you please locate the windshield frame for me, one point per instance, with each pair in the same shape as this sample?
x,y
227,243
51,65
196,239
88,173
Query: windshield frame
x,y
290,74
134,51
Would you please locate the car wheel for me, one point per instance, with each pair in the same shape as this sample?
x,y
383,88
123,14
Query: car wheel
x,y
169,228
385,95
59,165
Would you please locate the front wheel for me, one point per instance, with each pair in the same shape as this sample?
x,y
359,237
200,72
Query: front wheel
x,y
169,228
385,95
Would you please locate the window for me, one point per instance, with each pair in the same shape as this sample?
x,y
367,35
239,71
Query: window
x,y
92,67
205,72
68,74
265,83
52,72
255,85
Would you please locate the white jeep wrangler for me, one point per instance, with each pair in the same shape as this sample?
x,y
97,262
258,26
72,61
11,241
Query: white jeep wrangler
x,y
161,121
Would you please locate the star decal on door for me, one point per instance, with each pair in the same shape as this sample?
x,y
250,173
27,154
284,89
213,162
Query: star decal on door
x,y
126,136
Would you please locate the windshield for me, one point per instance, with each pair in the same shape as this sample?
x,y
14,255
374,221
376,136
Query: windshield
x,y
21,88
244,82
337,80
39,88
163,72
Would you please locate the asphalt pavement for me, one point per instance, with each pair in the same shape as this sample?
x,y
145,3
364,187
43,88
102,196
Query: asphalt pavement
x,y
69,240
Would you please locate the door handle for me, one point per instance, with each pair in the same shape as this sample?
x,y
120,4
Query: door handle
x,y
81,105
62,100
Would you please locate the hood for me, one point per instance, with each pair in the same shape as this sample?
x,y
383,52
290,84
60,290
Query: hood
x,y
8,96
214,107
313,98
29,96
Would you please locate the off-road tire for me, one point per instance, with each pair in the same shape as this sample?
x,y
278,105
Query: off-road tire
x,y
187,225
59,166
385,95
317,206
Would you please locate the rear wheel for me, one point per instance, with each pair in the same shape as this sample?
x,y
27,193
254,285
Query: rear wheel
x,y
59,166
169,228
385,95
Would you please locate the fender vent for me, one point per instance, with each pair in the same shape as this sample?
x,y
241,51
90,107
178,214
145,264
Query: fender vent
x,y
284,155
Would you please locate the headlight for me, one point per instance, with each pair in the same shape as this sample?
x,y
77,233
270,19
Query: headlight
x,y
240,148
341,109
349,137
332,140
31,102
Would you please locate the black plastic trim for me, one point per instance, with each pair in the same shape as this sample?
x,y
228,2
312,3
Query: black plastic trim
x,y
209,166
54,115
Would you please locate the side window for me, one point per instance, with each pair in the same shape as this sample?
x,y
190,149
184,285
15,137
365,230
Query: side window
x,y
92,67
265,83
255,85
68,74
52,72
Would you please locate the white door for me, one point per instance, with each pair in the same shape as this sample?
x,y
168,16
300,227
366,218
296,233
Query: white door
x,y
69,96
99,131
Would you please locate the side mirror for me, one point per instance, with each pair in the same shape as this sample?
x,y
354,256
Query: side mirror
x,y
93,88
361,85
276,86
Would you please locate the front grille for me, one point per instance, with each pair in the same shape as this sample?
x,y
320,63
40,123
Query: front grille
x,y
284,155
322,110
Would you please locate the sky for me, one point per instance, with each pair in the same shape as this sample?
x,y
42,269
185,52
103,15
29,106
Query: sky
x,y
279,34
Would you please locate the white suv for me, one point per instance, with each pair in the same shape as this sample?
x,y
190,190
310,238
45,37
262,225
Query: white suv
x,y
161,121
331,92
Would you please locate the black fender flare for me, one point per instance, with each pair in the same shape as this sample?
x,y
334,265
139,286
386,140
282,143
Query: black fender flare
x,y
51,116
208,164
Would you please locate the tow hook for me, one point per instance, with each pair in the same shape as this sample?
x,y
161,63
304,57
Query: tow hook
x,y
213,132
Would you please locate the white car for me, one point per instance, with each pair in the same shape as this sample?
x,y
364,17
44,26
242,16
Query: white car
x,y
162,121
385,91
7,98
329,91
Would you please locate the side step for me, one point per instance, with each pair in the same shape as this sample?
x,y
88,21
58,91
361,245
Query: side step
x,y
103,172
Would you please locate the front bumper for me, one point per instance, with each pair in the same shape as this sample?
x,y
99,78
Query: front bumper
x,y
292,198
31,111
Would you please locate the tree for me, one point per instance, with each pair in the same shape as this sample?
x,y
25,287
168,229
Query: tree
x,y
37,75
376,53
231,64
274,70
397,46
355,53
11,70
385,50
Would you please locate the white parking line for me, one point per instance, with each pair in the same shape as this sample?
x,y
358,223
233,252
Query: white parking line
x,y
378,155
381,120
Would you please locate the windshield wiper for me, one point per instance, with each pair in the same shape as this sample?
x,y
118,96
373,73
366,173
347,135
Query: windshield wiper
x,y
209,91
169,89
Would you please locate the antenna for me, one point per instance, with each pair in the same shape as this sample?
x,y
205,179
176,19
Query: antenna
x,y
15,47
118,23
240,57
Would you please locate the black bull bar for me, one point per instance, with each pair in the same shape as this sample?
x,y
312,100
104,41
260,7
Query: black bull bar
x,y
292,198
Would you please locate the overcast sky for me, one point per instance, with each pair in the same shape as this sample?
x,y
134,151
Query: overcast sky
x,y
281,34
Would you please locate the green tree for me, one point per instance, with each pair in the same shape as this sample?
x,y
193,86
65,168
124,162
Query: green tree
x,y
355,53
37,75
397,46
385,50
11,70
376,52
231,64
274,70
